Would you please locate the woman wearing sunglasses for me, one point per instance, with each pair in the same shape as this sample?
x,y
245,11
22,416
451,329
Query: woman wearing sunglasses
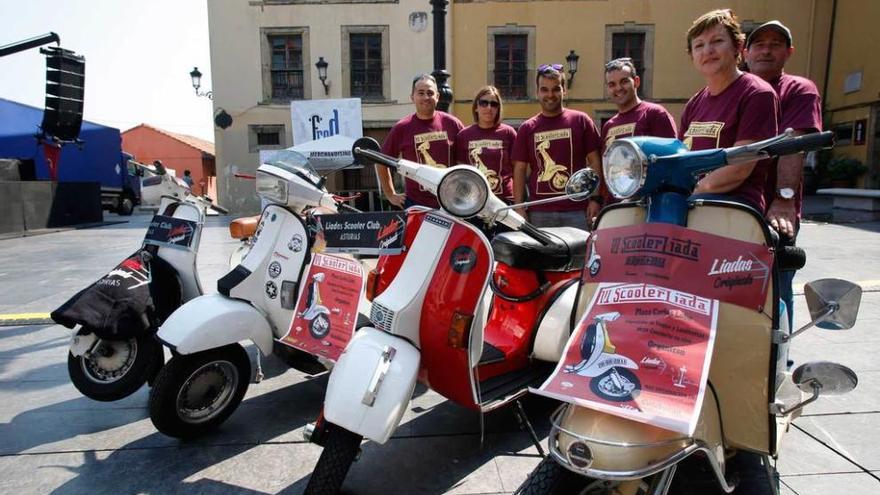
x,y
486,143
735,108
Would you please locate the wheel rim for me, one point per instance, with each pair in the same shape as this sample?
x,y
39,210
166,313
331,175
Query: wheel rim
x,y
207,391
110,360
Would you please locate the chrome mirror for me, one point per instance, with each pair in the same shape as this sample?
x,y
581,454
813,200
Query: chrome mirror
x,y
833,303
830,378
581,184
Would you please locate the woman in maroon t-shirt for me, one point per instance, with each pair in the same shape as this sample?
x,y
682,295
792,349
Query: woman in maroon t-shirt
x,y
733,109
486,144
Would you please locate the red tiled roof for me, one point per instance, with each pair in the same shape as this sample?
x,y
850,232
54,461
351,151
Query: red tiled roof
x,y
192,141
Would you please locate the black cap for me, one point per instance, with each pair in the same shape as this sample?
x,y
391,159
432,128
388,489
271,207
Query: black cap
x,y
776,25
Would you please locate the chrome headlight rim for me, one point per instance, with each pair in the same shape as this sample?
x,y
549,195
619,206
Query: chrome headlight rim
x,y
283,191
607,167
456,174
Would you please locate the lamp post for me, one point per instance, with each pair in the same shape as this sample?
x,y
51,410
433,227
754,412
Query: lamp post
x,y
572,60
440,73
322,64
196,77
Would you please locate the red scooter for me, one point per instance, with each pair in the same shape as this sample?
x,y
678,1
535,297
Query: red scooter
x,y
477,322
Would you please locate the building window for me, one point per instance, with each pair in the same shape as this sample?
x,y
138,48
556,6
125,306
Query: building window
x,y
365,62
843,134
512,61
285,57
635,41
265,137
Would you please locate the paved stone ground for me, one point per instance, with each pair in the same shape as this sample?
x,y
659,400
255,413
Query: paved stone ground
x,y
53,440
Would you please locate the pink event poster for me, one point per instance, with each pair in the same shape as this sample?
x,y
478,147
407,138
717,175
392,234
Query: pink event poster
x,y
327,310
641,352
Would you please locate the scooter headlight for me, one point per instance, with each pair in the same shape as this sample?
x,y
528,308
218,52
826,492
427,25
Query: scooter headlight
x,y
463,192
271,187
625,168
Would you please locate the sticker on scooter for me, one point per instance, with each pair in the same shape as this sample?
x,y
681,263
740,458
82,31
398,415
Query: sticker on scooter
x,y
274,269
594,262
271,290
463,259
296,243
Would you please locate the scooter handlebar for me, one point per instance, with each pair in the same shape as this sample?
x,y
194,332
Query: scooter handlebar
x,y
808,142
376,157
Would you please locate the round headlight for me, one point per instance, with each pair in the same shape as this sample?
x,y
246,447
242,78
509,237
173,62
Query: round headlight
x,y
625,168
463,192
271,187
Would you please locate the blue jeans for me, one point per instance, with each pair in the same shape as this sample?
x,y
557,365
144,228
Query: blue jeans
x,y
576,218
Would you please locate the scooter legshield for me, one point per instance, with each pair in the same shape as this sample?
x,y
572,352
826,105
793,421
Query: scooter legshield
x,y
212,321
371,384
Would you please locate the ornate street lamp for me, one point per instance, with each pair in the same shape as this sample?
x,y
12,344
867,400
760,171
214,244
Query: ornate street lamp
x,y
322,64
440,73
196,77
572,60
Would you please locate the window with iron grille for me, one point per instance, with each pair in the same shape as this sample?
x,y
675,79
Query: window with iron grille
x,y
366,64
265,137
511,65
287,66
630,45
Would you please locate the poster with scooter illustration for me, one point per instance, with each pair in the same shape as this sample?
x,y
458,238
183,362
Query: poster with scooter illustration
x,y
327,310
642,352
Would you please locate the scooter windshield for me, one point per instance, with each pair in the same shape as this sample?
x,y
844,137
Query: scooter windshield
x,y
296,163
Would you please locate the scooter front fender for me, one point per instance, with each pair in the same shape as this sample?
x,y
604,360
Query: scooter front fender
x,y
212,321
371,384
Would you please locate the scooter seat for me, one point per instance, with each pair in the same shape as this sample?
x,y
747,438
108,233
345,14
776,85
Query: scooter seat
x,y
244,227
520,250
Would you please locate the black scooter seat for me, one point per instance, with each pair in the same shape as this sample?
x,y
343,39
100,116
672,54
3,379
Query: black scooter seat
x,y
520,250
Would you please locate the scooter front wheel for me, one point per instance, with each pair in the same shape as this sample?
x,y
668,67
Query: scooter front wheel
x,y
195,393
115,369
340,450
549,478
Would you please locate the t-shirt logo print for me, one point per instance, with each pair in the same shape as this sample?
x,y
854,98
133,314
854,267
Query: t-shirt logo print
x,y
476,148
618,131
423,147
711,130
554,174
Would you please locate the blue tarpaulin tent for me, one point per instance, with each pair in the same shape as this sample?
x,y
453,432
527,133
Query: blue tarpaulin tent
x,y
97,159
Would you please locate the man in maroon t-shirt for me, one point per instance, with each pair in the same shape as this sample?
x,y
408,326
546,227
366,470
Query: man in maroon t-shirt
x,y
634,117
426,136
551,146
767,49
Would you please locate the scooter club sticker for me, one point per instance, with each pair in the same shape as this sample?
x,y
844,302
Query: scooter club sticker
x,y
463,259
296,243
271,290
274,269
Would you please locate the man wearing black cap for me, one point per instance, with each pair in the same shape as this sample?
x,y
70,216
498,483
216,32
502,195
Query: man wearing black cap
x,y
767,50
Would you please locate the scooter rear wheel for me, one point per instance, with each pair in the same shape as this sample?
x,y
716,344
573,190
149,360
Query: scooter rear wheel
x,y
340,450
115,369
196,393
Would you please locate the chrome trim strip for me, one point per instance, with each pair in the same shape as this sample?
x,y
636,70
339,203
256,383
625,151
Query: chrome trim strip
x,y
378,376
555,422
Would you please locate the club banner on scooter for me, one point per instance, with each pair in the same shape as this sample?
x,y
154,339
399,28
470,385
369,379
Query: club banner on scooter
x,y
171,231
327,310
641,352
363,233
712,266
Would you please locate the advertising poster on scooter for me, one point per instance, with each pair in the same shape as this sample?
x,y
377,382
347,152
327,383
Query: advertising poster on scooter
x,y
641,352
327,310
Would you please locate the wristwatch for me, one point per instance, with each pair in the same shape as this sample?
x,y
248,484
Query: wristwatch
x,y
785,192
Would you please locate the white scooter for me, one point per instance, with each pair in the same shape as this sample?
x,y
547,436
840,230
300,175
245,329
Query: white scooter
x,y
261,300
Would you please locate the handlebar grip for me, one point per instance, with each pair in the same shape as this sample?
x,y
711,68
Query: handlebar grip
x,y
375,156
807,142
219,209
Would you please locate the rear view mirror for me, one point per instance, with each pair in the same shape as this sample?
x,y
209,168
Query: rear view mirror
x,y
830,378
364,143
834,303
581,184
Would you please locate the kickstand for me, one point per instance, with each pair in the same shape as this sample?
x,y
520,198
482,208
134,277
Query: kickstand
x,y
527,426
259,375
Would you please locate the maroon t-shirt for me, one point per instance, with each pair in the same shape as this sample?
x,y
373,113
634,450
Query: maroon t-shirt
x,y
645,119
489,150
748,109
555,148
423,141
800,109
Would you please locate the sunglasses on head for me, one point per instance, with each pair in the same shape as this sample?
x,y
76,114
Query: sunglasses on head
x,y
488,103
621,60
548,67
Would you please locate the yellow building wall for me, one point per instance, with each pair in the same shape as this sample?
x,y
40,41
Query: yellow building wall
x,y
580,25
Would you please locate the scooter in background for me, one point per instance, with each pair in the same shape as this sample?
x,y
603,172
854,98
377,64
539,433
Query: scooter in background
x,y
262,300
477,322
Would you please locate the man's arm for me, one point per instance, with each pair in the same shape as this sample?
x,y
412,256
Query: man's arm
x,y
387,185
519,185
782,214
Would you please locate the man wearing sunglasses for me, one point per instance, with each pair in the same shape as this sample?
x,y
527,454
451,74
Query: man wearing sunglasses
x,y
427,136
634,117
551,146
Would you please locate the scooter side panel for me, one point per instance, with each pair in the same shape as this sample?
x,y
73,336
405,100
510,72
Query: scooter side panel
x,y
360,373
555,329
389,266
457,286
212,321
